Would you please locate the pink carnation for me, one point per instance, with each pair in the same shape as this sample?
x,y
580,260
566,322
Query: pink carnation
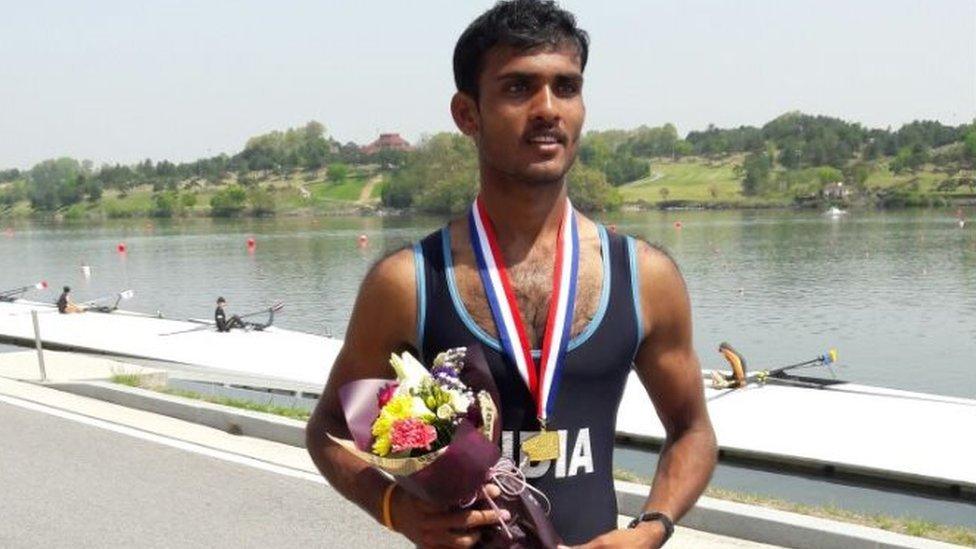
x,y
386,393
409,434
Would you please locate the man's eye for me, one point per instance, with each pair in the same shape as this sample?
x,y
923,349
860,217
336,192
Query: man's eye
x,y
517,87
568,89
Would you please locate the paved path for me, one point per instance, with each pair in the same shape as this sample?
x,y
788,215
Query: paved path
x,y
82,486
367,192
76,472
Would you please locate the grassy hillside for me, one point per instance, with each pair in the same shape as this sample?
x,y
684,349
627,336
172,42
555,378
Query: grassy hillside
x,y
299,193
690,178
714,182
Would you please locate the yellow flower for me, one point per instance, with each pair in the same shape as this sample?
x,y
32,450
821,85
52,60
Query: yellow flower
x,y
382,445
399,407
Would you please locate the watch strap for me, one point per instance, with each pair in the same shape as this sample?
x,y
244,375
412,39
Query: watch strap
x,y
648,516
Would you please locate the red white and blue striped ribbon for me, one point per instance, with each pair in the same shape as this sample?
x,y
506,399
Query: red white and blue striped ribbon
x,y
542,379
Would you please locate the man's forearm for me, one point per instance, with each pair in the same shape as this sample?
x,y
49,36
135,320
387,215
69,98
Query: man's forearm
x,y
349,475
683,471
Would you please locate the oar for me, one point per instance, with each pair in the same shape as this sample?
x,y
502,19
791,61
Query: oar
x,y
8,294
124,294
740,377
275,307
825,359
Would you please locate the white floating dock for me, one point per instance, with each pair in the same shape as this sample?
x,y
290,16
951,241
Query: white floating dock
x,y
896,437
272,353
905,439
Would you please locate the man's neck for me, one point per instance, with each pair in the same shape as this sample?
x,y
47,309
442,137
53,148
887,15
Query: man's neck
x,y
523,213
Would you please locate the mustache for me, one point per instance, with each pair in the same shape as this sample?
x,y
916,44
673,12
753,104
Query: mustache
x,y
549,132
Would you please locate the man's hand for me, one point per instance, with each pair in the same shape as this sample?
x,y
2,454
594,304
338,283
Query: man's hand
x,y
433,527
649,535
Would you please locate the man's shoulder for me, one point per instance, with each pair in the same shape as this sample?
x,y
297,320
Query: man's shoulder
x,y
654,260
396,268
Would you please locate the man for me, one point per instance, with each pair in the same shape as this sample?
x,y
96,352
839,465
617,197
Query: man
x,y
220,317
66,305
519,74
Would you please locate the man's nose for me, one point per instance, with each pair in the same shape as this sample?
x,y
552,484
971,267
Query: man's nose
x,y
544,105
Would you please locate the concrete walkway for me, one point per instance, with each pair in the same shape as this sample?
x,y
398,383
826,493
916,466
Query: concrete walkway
x,y
93,474
23,365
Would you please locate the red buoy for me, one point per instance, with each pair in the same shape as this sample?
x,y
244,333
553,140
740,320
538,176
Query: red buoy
x,y
251,243
121,247
363,241
677,225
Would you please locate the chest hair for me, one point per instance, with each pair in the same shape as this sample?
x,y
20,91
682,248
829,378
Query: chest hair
x,y
531,280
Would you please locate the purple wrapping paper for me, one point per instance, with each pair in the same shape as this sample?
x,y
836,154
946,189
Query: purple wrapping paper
x,y
455,477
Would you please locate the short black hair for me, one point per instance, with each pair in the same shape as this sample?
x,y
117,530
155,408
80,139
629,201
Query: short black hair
x,y
521,24
67,289
221,300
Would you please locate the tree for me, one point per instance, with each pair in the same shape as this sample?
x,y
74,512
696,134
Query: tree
x,y
756,168
262,201
664,192
338,172
54,183
93,188
188,201
439,176
969,147
857,175
163,204
590,191
228,202
623,168
910,158
9,175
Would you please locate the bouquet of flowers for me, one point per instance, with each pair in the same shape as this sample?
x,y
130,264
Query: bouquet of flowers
x,y
437,432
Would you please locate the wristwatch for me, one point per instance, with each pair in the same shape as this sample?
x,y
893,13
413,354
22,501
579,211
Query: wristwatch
x,y
660,517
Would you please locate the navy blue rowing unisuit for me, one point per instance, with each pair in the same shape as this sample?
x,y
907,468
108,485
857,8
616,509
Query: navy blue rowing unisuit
x,y
580,483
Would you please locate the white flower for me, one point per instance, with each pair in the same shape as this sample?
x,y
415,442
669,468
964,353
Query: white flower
x,y
419,409
460,402
410,373
445,411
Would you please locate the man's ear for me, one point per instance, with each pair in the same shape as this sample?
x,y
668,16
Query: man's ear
x,y
464,109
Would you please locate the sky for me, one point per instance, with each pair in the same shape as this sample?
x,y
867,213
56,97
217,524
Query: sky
x,y
121,81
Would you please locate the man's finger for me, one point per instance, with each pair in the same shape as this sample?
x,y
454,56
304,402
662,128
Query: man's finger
x,y
462,541
493,491
473,519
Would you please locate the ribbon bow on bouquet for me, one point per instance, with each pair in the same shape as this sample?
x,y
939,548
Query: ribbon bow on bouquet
x,y
517,496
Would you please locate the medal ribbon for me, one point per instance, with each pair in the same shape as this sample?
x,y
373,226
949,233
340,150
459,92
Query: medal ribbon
x,y
542,379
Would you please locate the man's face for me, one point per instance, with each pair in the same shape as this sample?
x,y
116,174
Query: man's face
x,y
530,112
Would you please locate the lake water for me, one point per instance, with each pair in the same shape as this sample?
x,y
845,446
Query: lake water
x,y
895,292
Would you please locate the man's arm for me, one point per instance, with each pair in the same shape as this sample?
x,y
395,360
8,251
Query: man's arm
x,y
383,322
668,367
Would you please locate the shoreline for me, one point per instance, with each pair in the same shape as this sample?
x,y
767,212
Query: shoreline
x,y
354,209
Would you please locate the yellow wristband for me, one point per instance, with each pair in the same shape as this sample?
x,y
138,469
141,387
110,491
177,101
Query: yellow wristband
x,y
387,500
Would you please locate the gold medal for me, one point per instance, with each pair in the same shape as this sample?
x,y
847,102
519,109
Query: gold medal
x,y
543,446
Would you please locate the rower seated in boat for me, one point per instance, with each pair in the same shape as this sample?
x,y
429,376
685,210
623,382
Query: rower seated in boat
x,y
66,304
220,317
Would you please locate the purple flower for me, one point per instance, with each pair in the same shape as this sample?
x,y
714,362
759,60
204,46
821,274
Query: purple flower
x,y
444,370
